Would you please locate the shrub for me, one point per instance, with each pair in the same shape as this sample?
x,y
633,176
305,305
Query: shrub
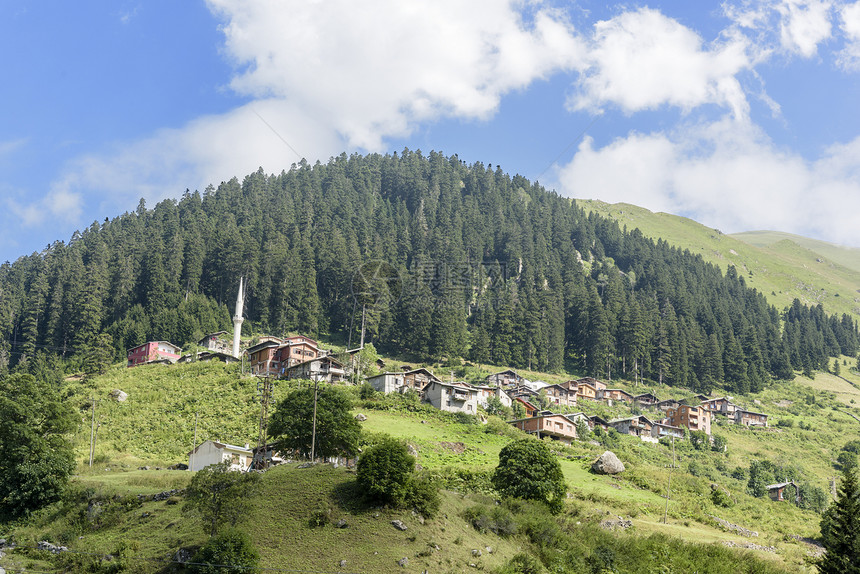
x,y
720,497
384,471
523,564
231,549
423,496
497,519
527,469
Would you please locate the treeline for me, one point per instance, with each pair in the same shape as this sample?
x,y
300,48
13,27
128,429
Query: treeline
x,y
435,257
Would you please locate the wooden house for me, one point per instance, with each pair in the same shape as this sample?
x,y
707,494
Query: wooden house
x,y
559,395
659,430
694,418
722,406
263,359
617,395
530,409
558,427
638,425
154,352
419,378
588,391
646,399
777,491
597,384
595,421
323,369
505,379
750,418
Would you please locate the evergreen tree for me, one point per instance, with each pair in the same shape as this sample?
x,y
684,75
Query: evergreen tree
x,y
840,528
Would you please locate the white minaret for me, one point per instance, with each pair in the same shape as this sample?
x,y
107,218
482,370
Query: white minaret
x,y
237,320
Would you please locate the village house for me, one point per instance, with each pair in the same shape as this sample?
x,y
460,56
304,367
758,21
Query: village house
x,y
588,391
485,392
576,417
263,359
555,426
529,408
750,418
386,382
419,378
617,395
212,452
272,356
216,343
722,406
667,404
154,352
659,430
452,397
693,418
505,379
597,384
595,421
646,400
638,425
559,395
323,369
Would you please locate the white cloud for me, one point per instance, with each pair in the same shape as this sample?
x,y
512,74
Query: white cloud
x,y
791,26
643,60
374,70
60,205
849,58
9,146
730,175
804,25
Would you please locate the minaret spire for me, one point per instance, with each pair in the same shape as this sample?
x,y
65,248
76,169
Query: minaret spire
x,y
238,319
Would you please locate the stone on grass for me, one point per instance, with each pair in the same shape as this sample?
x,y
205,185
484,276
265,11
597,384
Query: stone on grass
x,y
119,396
403,561
608,463
398,525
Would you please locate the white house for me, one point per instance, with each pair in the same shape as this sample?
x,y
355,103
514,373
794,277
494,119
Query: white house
x,y
452,397
387,382
486,391
211,452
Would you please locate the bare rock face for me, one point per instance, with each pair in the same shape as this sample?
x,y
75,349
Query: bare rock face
x,y
608,463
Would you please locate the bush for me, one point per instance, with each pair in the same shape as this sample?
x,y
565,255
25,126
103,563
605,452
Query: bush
x,y
384,471
720,497
523,564
231,549
423,496
497,520
528,469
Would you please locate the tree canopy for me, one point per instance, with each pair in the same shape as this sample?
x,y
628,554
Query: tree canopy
x,y
337,432
218,495
528,469
840,528
36,456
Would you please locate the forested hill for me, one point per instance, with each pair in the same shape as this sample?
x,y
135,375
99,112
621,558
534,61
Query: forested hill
x,y
447,259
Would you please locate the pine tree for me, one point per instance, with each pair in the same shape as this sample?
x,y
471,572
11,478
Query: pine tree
x,y
840,529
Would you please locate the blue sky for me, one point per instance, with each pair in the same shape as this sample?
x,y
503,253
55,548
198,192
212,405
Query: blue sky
x,y
742,114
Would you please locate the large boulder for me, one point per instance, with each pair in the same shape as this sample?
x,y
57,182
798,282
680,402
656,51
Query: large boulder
x,y
608,463
119,396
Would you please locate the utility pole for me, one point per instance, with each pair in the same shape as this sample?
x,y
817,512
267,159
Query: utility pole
x,y
314,432
669,484
194,445
93,432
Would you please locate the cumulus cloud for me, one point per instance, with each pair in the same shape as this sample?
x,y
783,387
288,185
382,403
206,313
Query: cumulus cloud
x,y
374,70
849,58
643,60
730,175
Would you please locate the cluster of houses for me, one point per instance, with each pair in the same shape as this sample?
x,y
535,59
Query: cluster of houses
x,y
670,417
300,357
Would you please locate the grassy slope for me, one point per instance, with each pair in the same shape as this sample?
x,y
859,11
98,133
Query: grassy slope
x,y
782,270
155,427
848,257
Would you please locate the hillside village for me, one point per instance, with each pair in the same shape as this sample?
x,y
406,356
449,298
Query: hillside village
x,y
539,408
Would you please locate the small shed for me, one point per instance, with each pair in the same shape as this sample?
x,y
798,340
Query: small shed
x,y
777,491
